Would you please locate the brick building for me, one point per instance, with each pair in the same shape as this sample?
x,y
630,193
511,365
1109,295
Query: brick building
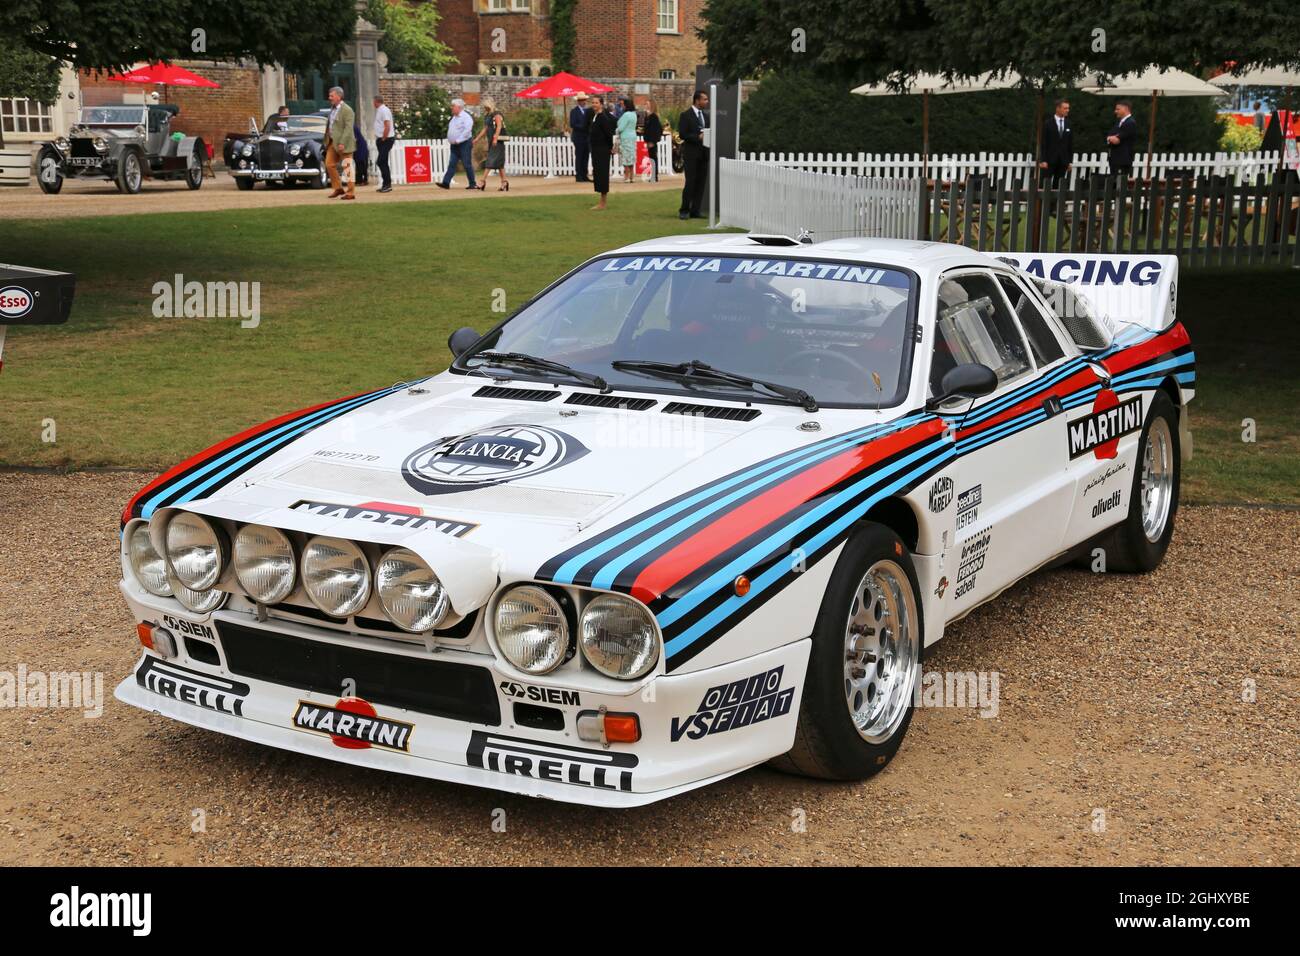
x,y
648,39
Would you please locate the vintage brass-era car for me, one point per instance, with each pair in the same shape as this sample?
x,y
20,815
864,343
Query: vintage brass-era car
x,y
124,143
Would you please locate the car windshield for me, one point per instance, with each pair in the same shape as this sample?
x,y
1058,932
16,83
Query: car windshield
x,y
112,116
840,331
296,124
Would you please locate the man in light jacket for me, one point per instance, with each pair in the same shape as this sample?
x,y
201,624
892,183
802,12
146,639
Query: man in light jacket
x,y
340,143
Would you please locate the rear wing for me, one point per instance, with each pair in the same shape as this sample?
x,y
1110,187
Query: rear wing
x,y
1095,294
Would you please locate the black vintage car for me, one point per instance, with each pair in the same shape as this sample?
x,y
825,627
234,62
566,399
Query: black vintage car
x,y
288,150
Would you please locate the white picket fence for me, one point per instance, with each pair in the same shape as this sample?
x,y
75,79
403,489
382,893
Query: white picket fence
x,y
549,156
767,198
1007,167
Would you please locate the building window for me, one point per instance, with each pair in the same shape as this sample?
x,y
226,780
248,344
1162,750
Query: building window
x,y
667,74
498,6
667,16
521,6
25,116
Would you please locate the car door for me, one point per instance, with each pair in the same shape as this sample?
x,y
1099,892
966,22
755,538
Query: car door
x,y
1011,490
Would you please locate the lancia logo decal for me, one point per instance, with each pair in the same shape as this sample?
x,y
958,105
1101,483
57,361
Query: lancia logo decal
x,y
489,457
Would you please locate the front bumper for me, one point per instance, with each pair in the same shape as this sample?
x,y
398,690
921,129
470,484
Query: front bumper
x,y
274,175
696,728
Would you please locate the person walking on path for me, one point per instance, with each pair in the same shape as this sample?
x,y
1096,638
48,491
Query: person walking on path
x,y
494,127
339,143
385,136
603,132
460,136
627,138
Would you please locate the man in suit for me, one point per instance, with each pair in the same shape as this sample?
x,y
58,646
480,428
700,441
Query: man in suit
x,y
340,143
1120,141
580,118
1058,144
695,155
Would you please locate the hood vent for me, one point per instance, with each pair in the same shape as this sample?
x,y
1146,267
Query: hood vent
x,y
516,394
610,401
712,411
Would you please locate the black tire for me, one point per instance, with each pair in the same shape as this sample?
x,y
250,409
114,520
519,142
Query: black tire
x,y
244,182
321,181
1128,548
130,172
827,743
194,174
47,162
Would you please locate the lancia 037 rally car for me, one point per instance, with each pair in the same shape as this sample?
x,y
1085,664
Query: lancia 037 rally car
x,y
699,504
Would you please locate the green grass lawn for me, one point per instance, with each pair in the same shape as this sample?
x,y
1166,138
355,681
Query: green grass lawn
x,y
359,297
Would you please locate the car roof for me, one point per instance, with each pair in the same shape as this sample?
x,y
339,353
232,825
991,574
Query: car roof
x,y
921,257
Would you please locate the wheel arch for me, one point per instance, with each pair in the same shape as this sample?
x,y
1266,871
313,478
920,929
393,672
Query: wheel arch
x,y
898,516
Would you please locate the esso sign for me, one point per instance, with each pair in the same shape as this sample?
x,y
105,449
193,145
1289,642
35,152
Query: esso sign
x,y
15,302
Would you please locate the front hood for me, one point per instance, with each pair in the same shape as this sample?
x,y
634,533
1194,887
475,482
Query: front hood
x,y
521,477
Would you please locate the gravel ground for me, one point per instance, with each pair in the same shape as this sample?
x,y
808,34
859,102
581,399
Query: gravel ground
x,y
100,198
1120,695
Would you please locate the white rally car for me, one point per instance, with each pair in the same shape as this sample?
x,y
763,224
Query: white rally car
x,y
698,505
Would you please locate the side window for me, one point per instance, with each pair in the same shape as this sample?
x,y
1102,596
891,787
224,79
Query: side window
x,y
973,324
1042,342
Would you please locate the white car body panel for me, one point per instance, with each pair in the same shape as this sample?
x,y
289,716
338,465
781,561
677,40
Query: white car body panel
x,y
993,487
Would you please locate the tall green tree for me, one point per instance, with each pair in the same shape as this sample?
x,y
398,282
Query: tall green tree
x,y
1048,41
410,35
113,34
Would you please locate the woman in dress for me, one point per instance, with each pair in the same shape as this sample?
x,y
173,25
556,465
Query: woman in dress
x,y
602,136
627,138
494,127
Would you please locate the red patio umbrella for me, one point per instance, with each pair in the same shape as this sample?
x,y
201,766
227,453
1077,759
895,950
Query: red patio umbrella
x,y
561,86
164,74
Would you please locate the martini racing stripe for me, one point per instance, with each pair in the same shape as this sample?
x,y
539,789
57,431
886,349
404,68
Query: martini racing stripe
x,y
661,570
579,565
228,459
820,538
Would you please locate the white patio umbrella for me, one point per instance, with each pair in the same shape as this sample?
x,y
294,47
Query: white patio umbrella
x,y
1152,82
927,83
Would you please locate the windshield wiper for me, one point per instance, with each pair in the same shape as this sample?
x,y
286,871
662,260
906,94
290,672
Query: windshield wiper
x,y
534,363
697,371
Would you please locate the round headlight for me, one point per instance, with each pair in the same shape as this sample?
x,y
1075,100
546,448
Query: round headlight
x,y
200,602
409,592
618,637
247,150
264,563
531,629
101,144
336,576
195,552
147,564
295,149
63,144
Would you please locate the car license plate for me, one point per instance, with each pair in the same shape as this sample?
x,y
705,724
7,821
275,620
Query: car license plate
x,y
83,161
268,174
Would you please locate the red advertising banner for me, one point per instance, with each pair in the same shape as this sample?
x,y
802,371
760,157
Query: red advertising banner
x,y
419,165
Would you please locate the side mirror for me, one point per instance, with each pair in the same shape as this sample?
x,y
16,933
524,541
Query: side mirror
x,y
460,341
970,380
